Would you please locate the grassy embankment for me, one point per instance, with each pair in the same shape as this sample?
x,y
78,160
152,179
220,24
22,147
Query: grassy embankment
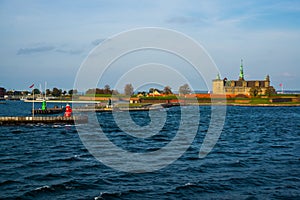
x,y
265,100
260,100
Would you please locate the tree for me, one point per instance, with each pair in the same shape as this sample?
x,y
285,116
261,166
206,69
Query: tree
x,y
184,89
10,92
25,93
153,90
75,91
48,92
167,90
90,91
142,93
107,89
270,91
114,92
56,92
99,91
128,89
36,91
254,91
72,92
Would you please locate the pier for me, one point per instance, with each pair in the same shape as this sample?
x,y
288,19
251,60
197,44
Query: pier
x,y
121,108
115,109
49,111
43,120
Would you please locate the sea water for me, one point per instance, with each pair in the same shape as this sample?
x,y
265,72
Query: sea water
x,y
256,157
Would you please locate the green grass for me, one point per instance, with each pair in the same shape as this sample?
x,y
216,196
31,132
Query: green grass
x,y
285,95
259,101
267,101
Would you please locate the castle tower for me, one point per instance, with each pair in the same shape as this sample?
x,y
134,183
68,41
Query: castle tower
x,y
267,81
218,85
241,76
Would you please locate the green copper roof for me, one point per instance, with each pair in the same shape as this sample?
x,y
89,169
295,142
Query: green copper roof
x,y
241,76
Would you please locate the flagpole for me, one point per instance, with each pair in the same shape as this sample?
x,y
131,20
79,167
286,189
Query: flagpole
x,y
33,103
45,90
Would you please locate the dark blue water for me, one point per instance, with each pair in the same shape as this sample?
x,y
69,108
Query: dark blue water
x,y
256,157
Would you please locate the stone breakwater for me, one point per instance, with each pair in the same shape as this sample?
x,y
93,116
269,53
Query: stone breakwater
x,y
43,120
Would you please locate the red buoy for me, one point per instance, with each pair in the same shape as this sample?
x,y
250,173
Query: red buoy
x,y
68,111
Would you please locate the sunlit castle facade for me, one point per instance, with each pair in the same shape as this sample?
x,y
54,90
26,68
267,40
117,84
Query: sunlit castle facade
x,y
241,86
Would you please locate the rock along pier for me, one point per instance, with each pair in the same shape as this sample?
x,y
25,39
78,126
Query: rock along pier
x,y
43,120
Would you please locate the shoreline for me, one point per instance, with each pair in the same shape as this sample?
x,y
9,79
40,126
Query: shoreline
x,y
60,101
263,105
187,104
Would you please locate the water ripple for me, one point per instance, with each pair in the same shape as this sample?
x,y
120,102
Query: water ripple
x,y
256,157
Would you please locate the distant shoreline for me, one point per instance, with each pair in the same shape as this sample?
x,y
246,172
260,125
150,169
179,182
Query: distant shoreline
x,y
263,105
60,101
248,105
187,104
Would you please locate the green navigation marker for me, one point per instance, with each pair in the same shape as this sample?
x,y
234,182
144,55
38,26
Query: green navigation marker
x,y
44,105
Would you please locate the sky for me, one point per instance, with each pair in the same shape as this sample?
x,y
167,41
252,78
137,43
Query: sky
x,y
47,41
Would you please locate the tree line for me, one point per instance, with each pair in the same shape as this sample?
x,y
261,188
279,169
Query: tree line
x,y
129,90
105,90
55,92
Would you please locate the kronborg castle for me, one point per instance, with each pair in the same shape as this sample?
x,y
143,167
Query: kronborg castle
x,y
241,86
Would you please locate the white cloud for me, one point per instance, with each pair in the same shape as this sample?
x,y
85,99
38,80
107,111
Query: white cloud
x,y
288,75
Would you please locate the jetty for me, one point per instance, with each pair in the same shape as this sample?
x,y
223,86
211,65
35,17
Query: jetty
x,y
43,120
117,108
49,111
110,109
46,110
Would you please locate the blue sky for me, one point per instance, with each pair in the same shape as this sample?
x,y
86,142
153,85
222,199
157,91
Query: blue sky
x,y
48,40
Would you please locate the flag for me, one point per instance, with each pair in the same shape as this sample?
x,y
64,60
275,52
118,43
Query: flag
x,y
31,86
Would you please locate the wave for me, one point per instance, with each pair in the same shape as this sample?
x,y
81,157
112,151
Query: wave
x,y
45,189
128,194
107,195
9,182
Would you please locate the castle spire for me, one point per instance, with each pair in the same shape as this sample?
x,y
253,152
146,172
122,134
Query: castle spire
x,y
241,76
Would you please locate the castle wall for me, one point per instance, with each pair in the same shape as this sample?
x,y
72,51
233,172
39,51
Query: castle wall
x,y
239,87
